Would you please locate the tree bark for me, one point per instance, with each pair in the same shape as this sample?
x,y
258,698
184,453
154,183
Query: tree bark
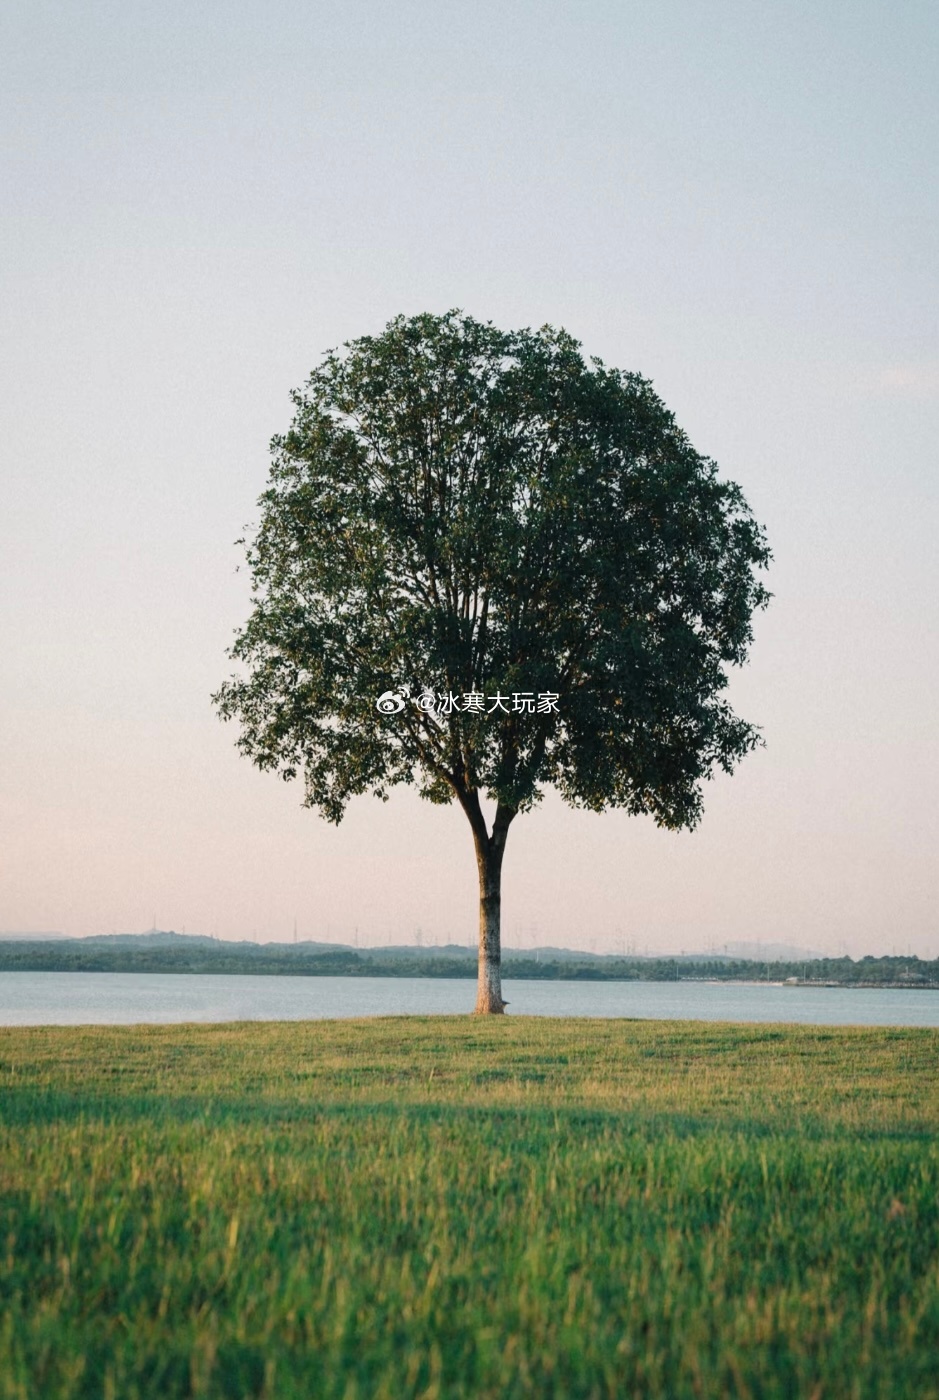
x,y
489,853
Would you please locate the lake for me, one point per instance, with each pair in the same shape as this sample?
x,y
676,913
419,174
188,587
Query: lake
x,y
127,998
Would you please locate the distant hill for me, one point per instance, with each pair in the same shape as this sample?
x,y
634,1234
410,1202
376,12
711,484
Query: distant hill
x,y
168,938
756,952
30,937
166,951
153,938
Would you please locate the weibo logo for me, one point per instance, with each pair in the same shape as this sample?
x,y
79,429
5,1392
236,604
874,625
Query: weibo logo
x,y
389,703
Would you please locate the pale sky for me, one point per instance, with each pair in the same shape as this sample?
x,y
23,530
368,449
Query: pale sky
x,y
738,201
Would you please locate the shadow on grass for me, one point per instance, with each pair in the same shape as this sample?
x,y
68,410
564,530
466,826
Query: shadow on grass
x,y
25,1108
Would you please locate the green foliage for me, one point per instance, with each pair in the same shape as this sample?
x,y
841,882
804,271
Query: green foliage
x,y
294,960
442,1208
471,510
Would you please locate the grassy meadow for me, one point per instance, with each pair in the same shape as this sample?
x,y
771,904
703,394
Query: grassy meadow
x,y
455,1208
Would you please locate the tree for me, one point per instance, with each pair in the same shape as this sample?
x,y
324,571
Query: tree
x,y
457,514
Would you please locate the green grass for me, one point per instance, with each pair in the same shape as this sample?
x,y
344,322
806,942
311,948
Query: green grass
x,y
448,1208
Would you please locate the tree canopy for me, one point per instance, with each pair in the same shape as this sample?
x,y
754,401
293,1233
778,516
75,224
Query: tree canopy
x,y
458,513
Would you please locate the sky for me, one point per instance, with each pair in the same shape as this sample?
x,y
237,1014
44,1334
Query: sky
x,y
738,202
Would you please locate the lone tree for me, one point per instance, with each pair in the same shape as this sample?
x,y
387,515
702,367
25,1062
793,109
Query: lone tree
x,y
485,565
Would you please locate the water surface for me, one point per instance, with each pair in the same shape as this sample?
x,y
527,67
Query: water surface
x,y
127,998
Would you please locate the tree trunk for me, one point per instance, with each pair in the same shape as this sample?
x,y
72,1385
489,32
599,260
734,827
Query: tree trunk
x,y
489,993
489,852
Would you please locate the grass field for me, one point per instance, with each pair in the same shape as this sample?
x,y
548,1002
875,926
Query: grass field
x,y
448,1208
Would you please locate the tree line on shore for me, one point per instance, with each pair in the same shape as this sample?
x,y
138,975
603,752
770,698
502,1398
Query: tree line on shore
x,y
209,956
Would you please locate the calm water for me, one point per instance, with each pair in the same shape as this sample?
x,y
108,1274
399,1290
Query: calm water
x,y
121,998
